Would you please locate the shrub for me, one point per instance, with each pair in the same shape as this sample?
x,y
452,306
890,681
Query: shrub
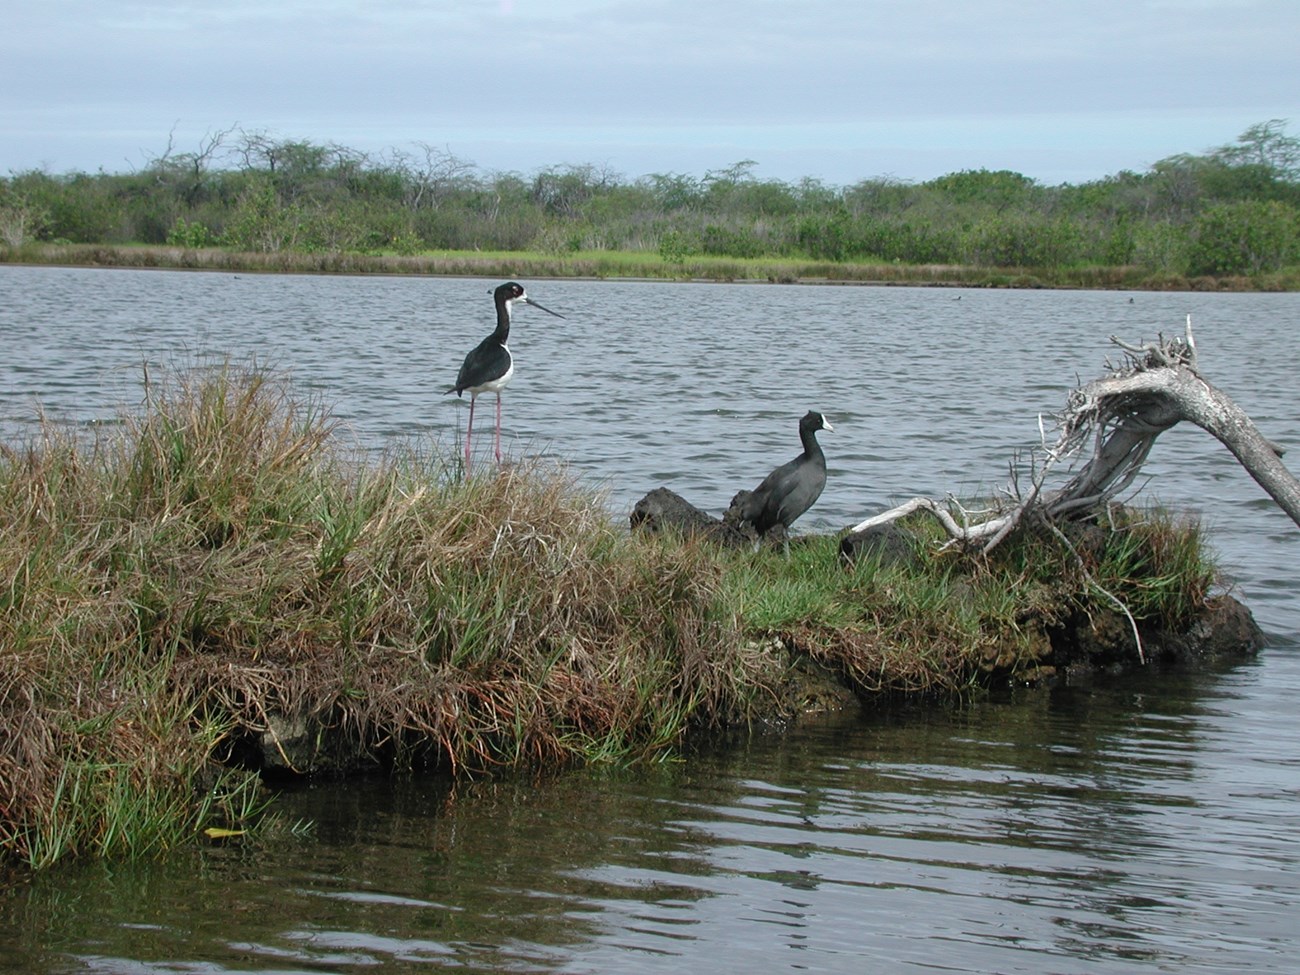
x,y
1022,241
190,234
1244,238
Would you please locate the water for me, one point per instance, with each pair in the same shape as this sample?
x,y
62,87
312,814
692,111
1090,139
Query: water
x,y
1143,824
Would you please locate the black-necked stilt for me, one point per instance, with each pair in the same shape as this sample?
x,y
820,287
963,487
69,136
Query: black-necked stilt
x,y
489,365
791,489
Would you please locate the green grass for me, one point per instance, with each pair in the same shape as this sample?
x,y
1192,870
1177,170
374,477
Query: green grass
x,y
633,264
943,622
218,562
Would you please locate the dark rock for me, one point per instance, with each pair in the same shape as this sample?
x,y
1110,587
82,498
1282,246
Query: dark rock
x,y
890,543
664,510
1102,641
810,687
1224,628
301,745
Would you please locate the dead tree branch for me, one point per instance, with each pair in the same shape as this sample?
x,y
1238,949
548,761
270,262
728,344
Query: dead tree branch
x,y
1115,420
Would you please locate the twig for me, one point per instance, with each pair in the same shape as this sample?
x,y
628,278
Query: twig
x,y
1087,576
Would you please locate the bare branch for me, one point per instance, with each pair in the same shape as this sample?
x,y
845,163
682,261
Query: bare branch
x,y
1117,418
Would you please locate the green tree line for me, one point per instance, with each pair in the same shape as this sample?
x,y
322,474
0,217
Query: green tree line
x,y
1232,210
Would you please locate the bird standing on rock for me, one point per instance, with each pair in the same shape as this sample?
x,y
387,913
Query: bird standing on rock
x,y
489,365
791,489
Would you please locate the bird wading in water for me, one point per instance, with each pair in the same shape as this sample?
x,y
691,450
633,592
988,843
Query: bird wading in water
x,y
489,365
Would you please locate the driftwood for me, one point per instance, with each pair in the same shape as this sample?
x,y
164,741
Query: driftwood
x,y
1118,417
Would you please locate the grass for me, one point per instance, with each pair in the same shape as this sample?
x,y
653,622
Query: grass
x,y
176,587
633,264
943,622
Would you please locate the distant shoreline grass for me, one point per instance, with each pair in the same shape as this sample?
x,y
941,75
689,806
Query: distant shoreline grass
x,y
217,584
618,265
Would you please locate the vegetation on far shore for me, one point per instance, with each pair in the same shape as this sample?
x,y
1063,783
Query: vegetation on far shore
x,y
172,585
1225,219
535,265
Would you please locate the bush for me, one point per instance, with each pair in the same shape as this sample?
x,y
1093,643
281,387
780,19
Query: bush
x,y
20,219
191,234
824,237
1023,241
720,241
1160,246
1244,238
674,247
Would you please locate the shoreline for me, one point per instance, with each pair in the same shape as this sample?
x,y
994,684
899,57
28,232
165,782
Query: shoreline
x,y
628,266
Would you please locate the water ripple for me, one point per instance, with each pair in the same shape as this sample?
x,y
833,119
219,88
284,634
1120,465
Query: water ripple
x,y
1148,824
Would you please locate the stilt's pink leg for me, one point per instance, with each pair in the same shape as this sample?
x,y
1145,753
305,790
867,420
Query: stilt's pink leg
x,y
469,430
498,440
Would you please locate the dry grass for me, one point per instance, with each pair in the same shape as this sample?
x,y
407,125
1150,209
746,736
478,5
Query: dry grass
x,y
174,590
169,591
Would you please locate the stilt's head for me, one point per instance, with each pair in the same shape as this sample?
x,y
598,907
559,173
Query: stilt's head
x,y
507,294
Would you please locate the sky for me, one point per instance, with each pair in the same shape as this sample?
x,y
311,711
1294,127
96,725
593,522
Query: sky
x,y
1063,91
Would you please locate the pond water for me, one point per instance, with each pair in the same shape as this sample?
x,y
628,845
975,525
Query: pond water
x,y
1145,823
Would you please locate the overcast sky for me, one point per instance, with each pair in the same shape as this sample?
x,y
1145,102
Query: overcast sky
x,y
837,90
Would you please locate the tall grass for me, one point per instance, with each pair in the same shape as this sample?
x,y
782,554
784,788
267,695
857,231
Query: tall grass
x,y
168,590
177,586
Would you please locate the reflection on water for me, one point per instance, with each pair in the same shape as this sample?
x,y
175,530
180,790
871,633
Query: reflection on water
x,y
1100,829
1144,823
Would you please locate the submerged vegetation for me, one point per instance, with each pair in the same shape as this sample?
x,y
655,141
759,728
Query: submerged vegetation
x,y
1229,217
184,589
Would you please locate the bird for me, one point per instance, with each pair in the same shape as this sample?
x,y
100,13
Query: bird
x,y
489,365
791,489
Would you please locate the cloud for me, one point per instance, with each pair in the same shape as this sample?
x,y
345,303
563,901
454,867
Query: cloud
x,y
667,78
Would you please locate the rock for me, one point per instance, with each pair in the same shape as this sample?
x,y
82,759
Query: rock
x,y
1102,641
892,544
664,510
1225,628
300,745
